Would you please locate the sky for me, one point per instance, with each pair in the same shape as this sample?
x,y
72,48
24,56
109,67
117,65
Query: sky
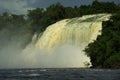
x,y
21,6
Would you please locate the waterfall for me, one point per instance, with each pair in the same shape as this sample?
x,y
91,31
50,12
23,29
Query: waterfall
x,y
65,40
76,31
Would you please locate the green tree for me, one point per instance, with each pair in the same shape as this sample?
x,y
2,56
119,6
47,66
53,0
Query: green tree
x,y
105,51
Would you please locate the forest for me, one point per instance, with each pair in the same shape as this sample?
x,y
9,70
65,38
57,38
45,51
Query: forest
x,y
104,52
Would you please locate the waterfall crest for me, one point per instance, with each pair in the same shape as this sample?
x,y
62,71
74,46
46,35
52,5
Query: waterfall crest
x,y
75,31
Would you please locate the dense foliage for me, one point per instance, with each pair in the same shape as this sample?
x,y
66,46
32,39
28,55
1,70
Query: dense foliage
x,y
104,52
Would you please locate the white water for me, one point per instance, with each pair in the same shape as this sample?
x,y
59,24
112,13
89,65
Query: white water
x,y
61,45
67,39
76,31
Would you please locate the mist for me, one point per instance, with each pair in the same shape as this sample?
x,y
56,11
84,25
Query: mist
x,y
12,42
13,53
13,56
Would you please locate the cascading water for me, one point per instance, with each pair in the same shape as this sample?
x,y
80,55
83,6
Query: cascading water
x,y
67,39
76,31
